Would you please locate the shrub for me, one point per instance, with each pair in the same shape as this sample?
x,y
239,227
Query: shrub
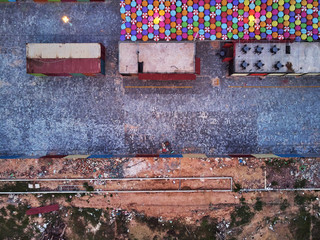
x,y
237,187
88,187
284,205
300,183
241,215
258,205
302,199
300,225
14,187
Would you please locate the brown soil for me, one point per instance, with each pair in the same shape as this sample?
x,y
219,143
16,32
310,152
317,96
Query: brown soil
x,y
250,175
188,207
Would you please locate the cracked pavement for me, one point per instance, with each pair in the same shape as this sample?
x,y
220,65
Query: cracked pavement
x,y
86,115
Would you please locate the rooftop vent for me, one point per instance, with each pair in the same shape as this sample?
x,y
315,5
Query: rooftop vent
x,y
278,65
258,49
244,65
140,67
245,49
288,50
274,49
222,53
259,64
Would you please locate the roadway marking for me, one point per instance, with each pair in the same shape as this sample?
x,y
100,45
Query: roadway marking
x,y
274,86
158,87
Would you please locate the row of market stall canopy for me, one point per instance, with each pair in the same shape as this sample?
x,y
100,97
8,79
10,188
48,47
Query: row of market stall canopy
x,y
52,1
172,61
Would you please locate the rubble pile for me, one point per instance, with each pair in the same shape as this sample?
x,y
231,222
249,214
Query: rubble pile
x,y
97,167
118,211
309,169
54,231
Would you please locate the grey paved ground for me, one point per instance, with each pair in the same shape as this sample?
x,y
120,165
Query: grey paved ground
x,y
100,115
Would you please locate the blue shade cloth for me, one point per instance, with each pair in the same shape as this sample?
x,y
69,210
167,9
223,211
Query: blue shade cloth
x,y
293,155
11,157
170,155
101,156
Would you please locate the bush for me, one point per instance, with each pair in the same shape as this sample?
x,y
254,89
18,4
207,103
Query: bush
x,y
237,187
284,205
207,229
300,225
3,211
77,223
258,205
177,230
15,187
241,215
14,226
302,199
90,215
88,187
300,183
315,230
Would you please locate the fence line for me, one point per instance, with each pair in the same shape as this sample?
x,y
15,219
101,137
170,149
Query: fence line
x,y
110,179
159,191
120,179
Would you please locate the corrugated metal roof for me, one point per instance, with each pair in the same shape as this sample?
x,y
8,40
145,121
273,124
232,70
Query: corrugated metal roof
x,y
63,50
70,65
44,209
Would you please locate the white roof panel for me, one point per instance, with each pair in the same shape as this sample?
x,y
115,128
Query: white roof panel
x,y
157,57
63,50
304,57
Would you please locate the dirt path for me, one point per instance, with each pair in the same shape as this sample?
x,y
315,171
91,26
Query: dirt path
x,y
249,175
168,205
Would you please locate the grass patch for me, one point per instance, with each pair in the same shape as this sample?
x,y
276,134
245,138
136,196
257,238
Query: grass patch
x,y
48,197
152,222
92,215
77,223
81,217
315,232
89,215
14,225
107,229
206,229
300,225
279,163
15,187
122,225
274,183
